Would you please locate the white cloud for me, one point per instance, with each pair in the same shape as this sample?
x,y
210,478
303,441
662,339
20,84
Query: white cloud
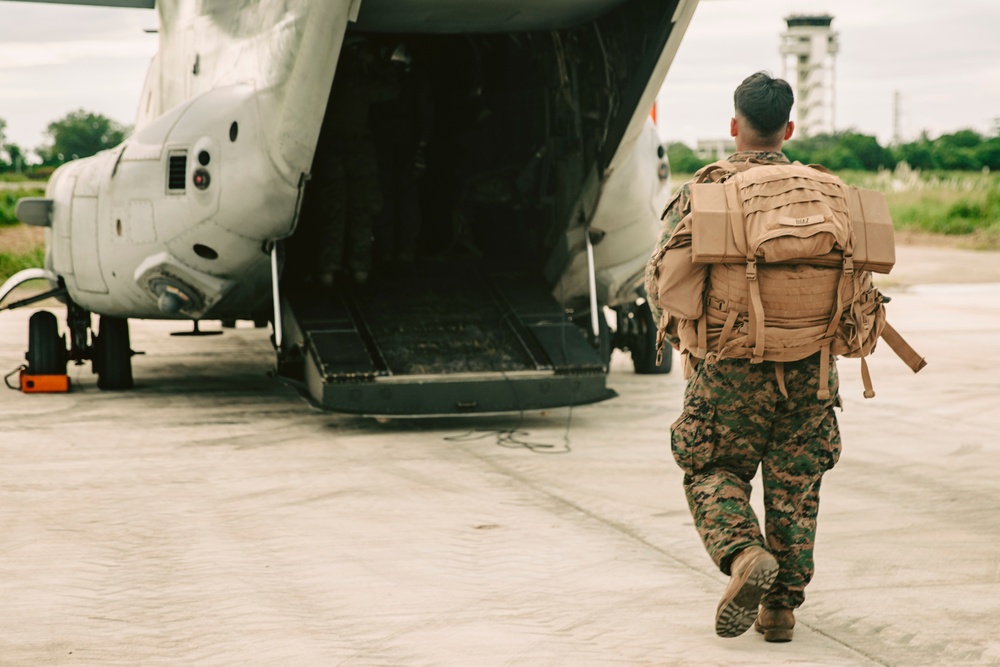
x,y
17,55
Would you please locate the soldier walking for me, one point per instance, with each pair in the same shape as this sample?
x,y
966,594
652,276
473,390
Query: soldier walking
x,y
740,415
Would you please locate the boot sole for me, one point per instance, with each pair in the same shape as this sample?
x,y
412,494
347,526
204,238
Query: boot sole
x,y
736,615
779,635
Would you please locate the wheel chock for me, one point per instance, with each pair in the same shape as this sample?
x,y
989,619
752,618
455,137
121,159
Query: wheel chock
x,y
44,384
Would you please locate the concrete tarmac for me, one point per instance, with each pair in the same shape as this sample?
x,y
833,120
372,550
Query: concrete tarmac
x,y
211,517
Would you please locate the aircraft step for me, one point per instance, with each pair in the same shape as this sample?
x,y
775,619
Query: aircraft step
x,y
445,339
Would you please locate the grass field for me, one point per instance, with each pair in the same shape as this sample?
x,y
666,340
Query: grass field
x,y
963,206
8,201
957,204
21,247
11,263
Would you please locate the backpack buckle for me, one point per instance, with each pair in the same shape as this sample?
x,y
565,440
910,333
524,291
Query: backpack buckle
x,y
752,269
848,265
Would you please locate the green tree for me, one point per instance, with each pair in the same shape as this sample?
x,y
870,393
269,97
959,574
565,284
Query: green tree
x,y
988,153
80,134
837,158
966,150
867,151
16,156
961,139
960,159
3,146
682,159
917,154
841,150
957,150
807,149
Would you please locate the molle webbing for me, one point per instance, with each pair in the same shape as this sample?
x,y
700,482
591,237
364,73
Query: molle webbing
x,y
797,300
788,216
785,282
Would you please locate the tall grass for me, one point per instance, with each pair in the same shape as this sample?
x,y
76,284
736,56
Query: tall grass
x,y
956,204
17,250
8,202
11,263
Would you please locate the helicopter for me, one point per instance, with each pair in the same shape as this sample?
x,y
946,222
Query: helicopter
x,y
540,185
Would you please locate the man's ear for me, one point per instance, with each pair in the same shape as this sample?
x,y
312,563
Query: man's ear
x,y
790,130
734,127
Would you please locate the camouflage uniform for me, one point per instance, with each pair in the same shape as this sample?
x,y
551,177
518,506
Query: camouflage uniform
x,y
351,195
735,418
402,129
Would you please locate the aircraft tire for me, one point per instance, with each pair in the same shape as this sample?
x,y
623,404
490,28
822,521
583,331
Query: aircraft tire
x,y
113,354
644,349
46,348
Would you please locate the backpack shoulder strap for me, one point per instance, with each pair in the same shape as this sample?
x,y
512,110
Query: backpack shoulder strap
x,y
715,172
817,167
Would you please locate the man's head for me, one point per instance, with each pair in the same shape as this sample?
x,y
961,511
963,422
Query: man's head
x,y
763,105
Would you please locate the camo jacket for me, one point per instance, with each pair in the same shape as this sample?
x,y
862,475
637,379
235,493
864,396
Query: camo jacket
x,y
677,208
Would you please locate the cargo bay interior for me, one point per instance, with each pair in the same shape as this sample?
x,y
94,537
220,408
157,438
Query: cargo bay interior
x,y
447,168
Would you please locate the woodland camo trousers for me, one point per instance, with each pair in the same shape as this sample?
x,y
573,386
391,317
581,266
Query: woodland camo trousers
x,y
736,419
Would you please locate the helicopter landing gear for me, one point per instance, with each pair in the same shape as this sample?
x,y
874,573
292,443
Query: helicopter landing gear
x,y
636,332
111,354
46,348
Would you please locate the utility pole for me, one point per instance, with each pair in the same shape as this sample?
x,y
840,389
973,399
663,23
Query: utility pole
x,y
897,118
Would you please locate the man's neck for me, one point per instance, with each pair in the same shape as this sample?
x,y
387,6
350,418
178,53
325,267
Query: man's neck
x,y
740,148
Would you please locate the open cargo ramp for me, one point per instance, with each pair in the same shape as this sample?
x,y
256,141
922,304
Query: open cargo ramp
x,y
444,339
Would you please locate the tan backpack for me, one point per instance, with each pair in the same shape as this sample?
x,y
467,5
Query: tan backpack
x,y
791,249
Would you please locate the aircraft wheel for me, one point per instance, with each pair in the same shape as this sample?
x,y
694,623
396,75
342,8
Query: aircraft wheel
x,y
644,347
46,348
113,354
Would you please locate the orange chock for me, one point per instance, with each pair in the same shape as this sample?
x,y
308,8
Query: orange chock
x,y
44,384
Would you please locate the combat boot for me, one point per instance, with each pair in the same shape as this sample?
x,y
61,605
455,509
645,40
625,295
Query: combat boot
x,y
752,573
775,624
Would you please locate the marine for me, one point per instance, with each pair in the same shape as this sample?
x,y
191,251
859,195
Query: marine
x,y
739,416
350,195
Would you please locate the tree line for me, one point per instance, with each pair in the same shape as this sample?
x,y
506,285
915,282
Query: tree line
x,y
964,150
83,133
76,135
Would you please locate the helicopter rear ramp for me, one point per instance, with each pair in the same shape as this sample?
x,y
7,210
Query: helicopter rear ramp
x,y
446,339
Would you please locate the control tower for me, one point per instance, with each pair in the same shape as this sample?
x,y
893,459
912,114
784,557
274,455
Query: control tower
x,y
813,44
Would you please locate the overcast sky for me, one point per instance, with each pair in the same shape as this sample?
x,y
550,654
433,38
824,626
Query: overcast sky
x,y
942,57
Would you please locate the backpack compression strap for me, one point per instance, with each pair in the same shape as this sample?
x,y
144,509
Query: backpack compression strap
x,y
902,349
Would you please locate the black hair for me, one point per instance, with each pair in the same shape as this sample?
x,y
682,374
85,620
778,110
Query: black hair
x,y
765,102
